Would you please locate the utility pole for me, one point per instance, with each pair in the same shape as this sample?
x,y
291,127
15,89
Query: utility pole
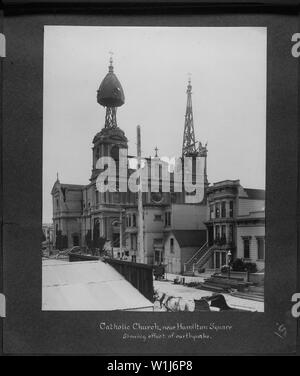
x,y
141,256
48,235
121,234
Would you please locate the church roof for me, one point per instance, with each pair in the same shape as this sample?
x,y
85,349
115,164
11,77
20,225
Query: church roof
x,y
59,185
73,186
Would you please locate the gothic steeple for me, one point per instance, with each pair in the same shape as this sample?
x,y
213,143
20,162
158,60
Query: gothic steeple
x,y
191,147
189,142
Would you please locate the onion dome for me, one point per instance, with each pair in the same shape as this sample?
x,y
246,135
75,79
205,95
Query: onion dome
x,y
110,93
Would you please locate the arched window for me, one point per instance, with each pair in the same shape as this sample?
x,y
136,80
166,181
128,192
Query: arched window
x,y
172,245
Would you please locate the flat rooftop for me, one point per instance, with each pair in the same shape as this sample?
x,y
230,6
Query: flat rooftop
x,y
88,286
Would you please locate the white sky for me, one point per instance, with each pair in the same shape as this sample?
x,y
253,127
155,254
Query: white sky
x,y
228,68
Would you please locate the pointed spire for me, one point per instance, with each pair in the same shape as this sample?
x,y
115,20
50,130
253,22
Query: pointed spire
x,y
111,67
57,178
189,142
189,86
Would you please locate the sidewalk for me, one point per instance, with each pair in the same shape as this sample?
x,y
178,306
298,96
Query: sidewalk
x,y
188,279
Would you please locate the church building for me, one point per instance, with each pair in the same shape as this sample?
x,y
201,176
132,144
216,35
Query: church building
x,y
82,214
185,236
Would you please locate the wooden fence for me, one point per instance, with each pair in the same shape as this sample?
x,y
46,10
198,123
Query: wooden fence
x,y
139,275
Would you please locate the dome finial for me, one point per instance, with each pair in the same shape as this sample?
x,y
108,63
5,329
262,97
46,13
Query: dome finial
x,y
110,95
111,68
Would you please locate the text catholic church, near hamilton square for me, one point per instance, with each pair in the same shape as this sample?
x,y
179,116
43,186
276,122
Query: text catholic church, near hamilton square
x,y
176,233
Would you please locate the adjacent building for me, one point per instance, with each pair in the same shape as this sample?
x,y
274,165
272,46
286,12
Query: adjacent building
x,y
236,223
48,235
180,246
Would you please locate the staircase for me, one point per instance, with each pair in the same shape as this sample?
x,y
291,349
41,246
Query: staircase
x,y
198,259
119,248
221,283
252,293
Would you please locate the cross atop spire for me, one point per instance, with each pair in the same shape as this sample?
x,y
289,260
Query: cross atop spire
x,y
189,143
156,150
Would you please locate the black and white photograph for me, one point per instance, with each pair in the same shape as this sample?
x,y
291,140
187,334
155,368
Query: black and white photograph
x,y
150,169
154,168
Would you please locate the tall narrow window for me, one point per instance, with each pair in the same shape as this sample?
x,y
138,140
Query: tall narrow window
x,y
211,211
172,245
260,248
223,258
157,257
223,234
230,234
133,242
168,219
218,210
133,220
223,209
230,209
217,233
97,154
246,248
217,258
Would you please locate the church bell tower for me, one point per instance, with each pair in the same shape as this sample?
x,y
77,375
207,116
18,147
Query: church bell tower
x,y
111,138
